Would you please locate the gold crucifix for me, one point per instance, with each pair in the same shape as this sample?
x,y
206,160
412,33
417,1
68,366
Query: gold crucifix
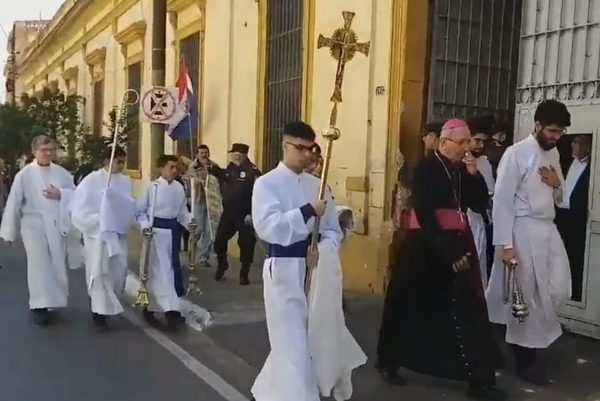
x,y
343,45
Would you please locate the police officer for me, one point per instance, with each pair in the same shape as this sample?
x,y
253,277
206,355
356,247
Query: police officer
x,y
236,190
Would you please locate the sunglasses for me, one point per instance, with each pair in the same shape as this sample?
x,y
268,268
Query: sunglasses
x,y
302,148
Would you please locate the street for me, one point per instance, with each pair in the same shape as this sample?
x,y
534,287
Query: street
x,y
70,361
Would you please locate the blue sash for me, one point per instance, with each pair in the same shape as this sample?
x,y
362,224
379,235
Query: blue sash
x,y
176,233
295,250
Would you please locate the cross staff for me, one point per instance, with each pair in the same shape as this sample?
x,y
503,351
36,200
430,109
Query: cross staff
x,y
343,45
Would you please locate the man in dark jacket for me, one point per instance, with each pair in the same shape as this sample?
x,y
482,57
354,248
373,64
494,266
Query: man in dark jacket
x,y
236,190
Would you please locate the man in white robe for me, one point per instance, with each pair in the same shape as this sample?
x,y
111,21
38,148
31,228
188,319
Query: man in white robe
x,y
478,221
170,214
37,207
528,186
284,208
104,215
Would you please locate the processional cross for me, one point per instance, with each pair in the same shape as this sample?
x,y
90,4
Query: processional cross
x,y
343,45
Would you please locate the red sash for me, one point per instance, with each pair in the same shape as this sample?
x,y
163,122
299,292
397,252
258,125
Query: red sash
x,y
448,219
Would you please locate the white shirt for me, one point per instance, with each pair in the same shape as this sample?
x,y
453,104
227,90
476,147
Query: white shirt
x,y
485,168
577,168
171,203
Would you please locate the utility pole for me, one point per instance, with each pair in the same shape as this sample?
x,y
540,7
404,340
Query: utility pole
x,y
159,41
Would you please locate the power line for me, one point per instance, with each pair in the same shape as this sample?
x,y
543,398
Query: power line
x,y
4,31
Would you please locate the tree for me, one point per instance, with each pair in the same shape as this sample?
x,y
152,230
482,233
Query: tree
x,y
15,133
91,145
56,115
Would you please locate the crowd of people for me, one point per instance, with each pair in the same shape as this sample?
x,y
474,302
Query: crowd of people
x,y
474,210
471,208
66,222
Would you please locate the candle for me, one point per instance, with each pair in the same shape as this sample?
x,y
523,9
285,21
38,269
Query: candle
x,y
193,195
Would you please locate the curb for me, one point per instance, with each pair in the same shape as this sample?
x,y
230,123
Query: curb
x,y
196,316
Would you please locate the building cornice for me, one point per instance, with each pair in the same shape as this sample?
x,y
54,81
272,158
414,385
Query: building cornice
x,y
179,5
96,57
70,73
67,18
133,32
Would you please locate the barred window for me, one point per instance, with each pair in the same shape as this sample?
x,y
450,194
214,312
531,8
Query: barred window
x,y
189,50
474,58
98,107
284,68
134,80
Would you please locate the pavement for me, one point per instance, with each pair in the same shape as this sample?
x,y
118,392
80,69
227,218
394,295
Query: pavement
x,y
217,357
237,324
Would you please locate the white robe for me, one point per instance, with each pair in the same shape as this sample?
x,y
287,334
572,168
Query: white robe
x,y
104,217
476,221
171,203
335,353
44,225
289,372
524,218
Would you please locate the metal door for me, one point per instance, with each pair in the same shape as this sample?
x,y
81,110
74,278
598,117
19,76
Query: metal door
x,y
559,53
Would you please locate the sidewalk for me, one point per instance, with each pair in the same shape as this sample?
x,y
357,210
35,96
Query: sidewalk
x,y
237,324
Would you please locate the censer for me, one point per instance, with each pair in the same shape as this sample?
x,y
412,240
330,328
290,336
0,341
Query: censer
x,y
519,308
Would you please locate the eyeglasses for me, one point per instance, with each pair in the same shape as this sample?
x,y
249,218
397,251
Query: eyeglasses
x,y
302,148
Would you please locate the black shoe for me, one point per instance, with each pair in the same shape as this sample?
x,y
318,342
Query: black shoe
x,y
244,280
100,321
534,375
488,393
173,320
41,316
220,275
149,317
392,377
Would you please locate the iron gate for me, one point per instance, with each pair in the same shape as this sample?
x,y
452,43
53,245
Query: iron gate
x,y
473,58
284,62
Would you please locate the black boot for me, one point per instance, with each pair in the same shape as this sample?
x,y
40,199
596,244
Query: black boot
x,y
244,272
487,393
41,316
527,367
173,320
149,317
391,376
100,321
220,274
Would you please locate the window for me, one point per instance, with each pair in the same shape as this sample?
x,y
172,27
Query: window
x,y
189,50
98,107
474,58
134,81
284,70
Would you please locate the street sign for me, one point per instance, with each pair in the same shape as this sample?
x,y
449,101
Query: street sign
x,y
159,105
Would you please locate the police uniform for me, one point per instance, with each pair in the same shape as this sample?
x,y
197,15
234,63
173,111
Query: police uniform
x,y
236,191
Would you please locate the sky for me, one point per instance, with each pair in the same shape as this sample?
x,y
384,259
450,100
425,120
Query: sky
x,y
17,11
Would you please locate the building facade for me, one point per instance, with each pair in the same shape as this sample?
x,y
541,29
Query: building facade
x,y
560,60
256,64
22,36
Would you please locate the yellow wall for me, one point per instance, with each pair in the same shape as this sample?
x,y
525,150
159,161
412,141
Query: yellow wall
x,y
382,93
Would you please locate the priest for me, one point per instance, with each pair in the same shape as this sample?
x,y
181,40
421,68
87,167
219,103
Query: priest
x,y
529,185
37,209
104,211
284,207
435,317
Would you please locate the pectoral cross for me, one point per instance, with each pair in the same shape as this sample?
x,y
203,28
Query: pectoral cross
x,y
343,45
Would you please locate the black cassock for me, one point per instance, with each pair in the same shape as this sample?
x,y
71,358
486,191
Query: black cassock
x,y
435,321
